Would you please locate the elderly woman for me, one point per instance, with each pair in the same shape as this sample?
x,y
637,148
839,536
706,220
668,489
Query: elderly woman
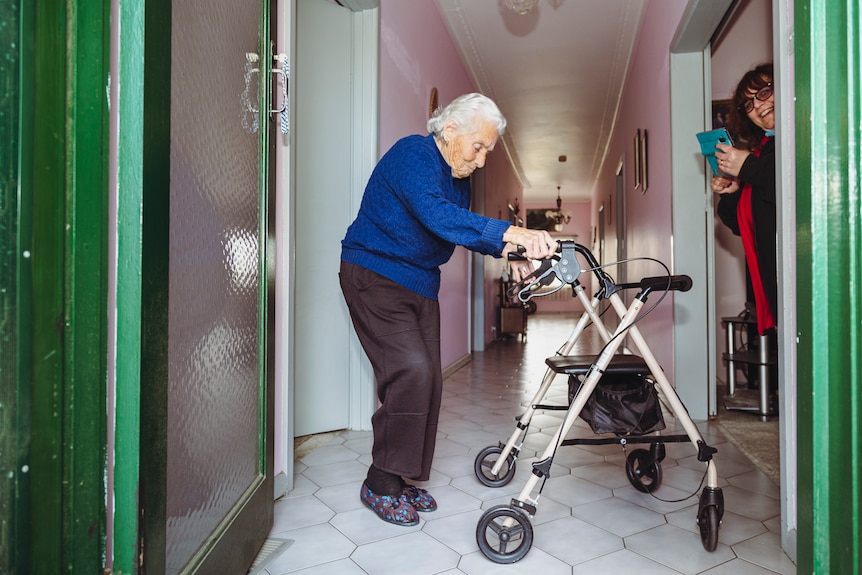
x,y
747,204
414,212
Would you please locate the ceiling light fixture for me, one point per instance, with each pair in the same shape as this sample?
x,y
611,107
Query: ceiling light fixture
x,y
521,6
560,217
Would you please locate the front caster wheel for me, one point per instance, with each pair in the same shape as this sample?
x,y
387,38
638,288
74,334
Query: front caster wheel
x,y
504,535
485,462
707,521
644,478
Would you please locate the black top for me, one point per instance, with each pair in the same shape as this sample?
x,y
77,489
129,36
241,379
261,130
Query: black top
x,y
760,173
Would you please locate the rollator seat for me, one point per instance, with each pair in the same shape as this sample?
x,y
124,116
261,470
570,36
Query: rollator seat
x,y
622,363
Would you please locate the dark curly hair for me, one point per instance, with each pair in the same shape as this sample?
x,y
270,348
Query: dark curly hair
x,y
746,134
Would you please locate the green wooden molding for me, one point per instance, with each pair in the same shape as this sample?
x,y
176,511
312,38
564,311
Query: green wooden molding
x,y
68,261
16,161
85,368
130,173
829,245
142,280
47,262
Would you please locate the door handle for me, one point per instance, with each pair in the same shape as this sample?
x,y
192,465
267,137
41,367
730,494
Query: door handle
x,y
280,69
283,69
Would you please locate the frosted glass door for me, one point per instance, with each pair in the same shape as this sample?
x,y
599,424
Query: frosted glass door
x,y
216,383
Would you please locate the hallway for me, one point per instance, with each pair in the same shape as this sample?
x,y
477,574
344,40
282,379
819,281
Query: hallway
x,y
589,519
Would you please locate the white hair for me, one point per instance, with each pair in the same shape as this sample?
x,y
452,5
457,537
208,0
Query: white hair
x,y
466,111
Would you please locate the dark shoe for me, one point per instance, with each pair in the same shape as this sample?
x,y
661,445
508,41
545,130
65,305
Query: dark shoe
x,y
420,499
392,509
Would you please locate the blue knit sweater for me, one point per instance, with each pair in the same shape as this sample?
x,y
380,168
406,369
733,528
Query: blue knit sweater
x,y
413,214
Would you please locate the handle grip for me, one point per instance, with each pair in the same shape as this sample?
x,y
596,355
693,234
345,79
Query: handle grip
x,y
677,283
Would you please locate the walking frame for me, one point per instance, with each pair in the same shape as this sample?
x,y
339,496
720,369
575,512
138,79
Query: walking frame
x,y
504,532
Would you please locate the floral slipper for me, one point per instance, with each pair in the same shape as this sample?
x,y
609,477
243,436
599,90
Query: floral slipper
x,y
420,499
392,509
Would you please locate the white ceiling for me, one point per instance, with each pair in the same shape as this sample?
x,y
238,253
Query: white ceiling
x,y
557,74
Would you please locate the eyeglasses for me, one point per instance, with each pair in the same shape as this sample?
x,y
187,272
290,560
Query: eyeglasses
x,y
763,94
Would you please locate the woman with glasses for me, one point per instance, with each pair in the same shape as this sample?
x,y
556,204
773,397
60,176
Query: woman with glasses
x,y
747,204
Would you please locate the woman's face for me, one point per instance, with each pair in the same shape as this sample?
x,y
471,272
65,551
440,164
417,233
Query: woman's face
x,y
465,152
763,111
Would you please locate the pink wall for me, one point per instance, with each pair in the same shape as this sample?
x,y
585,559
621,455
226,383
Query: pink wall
x,y
746,42
416,54
646,105
501,188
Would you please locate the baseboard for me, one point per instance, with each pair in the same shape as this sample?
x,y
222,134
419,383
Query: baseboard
x,y
280,486
788,543
457,365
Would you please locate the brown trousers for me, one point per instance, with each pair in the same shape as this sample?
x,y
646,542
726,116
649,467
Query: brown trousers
x,y
400,333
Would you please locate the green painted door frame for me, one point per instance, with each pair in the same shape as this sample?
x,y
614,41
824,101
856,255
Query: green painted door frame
x,y
829,284
57,250
16,139
143,105
130,176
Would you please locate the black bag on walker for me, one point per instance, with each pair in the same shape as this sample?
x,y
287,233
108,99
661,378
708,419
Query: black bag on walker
x,y
624,404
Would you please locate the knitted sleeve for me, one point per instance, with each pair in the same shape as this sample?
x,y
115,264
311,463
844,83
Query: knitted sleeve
x,y
422,182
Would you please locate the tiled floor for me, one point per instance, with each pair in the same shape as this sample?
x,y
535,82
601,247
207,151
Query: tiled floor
x,y
590,520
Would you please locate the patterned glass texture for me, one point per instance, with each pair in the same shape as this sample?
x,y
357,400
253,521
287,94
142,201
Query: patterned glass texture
x,y
214,395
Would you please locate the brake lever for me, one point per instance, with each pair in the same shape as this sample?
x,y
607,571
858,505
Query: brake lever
x,y
564,267
540,276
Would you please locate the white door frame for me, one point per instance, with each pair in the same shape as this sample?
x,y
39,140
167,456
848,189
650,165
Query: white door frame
x,y
364,98
782,25
366,74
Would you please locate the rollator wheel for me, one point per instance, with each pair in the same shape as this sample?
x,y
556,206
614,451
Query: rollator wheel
x,y
504,534
644,478
485,462
707,520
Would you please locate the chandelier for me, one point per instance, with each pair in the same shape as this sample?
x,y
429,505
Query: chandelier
x,y
559,217
521,6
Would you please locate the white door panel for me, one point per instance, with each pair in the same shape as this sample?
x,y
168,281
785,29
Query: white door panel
x,y
321,88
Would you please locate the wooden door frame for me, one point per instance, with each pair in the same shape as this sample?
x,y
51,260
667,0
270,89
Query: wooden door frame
x,y
143,169
828,303
64,185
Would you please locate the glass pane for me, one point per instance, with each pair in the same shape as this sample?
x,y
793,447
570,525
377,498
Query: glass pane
x,y
214,375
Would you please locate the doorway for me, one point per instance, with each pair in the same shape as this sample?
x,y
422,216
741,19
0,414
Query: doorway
x,y
334,105
694,239
620,223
